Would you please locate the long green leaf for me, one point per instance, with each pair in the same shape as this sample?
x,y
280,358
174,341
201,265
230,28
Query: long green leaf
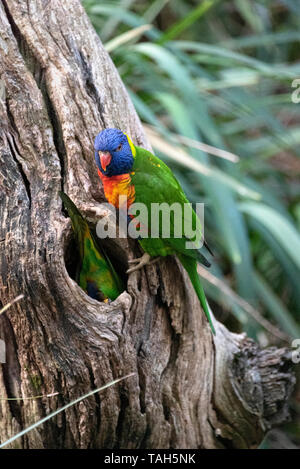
x,y
178,28
282,230
276,307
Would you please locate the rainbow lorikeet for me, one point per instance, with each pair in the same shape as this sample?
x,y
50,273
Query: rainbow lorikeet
x,y
128,170
95,275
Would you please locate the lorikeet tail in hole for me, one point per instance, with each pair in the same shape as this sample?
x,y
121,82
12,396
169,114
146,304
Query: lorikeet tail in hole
x,y
96,275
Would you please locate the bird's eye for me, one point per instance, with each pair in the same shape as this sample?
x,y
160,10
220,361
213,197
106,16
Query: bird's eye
x,y
119,147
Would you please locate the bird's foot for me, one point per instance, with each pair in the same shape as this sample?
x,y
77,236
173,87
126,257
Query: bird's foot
x,y
141,262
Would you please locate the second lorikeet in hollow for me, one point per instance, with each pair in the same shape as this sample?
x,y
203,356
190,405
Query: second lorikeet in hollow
x,y
128,170
95,275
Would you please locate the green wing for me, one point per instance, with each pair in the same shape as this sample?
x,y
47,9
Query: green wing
x,y
154,182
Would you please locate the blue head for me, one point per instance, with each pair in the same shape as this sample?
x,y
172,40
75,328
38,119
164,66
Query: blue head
x,y
113,153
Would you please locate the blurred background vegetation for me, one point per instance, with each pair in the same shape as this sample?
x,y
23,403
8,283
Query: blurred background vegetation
x,y
221,73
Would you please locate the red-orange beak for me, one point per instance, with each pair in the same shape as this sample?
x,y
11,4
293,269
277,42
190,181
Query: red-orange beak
x,y
105,159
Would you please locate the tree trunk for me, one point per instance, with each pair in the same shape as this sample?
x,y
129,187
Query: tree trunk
x,y
59,88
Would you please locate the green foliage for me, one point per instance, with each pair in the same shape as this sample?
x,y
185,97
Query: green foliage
x,y
221,73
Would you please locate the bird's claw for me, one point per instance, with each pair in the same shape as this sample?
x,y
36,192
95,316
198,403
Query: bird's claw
x,y
141,262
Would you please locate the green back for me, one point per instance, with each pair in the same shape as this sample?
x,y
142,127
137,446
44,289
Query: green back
x,y
154,182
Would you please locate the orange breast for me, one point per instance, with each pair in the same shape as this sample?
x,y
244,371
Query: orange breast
x,y
116,186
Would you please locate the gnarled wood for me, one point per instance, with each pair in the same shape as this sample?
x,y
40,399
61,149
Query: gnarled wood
x,y
58,89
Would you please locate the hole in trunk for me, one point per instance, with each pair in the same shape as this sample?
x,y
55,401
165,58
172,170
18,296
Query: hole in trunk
x,y
73,264
71,256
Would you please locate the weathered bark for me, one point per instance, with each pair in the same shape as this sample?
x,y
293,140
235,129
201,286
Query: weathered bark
x,y
58,89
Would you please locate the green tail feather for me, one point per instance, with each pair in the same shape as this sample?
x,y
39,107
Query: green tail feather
x,y
190,266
